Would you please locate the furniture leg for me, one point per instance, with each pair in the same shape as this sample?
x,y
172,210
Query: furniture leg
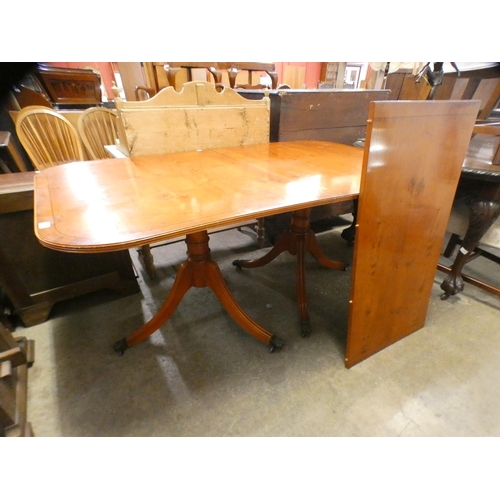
x,y
350,232
260,232
450,247
283,244
300,286
298,240
482,215
199,271
149,262
216,282
313,246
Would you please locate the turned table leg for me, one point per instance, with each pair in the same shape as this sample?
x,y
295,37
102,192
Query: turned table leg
x,y
350,232
298,240
199,271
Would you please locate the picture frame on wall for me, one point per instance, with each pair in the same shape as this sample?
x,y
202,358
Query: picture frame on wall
x,y
351,77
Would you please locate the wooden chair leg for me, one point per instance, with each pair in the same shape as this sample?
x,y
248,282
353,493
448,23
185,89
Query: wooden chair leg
x,y
260,232
450,247
148,259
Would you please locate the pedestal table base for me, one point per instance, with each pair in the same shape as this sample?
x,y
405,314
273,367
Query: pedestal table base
x,y
199,271
298,240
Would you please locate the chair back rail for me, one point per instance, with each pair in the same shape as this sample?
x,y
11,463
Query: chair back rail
x,y
98,127
48,138
159,75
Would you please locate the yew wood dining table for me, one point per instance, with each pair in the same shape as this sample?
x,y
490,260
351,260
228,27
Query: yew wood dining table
x,y
116,204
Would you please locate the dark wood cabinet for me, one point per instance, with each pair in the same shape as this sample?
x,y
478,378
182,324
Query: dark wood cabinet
x,y
33,277
323,115
70,86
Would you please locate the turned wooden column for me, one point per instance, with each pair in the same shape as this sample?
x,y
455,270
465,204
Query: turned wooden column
x,y
297,240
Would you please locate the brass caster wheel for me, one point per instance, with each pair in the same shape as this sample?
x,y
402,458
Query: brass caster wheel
x,y
120,347
275,344
305,329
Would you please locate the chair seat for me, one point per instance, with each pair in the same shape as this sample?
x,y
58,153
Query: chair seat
x,y
459,221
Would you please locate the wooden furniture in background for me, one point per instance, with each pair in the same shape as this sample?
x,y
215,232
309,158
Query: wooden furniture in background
x,y
484,148
411,167
332,74
10,154
480,84
323,115
196,118
173,68
189,193
236,68
98,127
474,222
295,76
131,76
143,93
492,146
16,356
491,103
35,278
29,97
159,75
403,87
72,87
47,137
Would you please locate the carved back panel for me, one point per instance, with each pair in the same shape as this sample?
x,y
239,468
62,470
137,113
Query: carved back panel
x,y
198,117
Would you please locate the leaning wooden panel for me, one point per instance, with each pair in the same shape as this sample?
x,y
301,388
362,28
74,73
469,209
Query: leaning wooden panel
x,y
412,162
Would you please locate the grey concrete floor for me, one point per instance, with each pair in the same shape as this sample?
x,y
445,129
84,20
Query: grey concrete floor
x,y
202,375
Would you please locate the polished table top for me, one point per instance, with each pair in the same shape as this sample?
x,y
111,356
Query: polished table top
x,y
113,204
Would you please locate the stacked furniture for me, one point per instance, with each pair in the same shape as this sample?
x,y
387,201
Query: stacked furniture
x,y
159,75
